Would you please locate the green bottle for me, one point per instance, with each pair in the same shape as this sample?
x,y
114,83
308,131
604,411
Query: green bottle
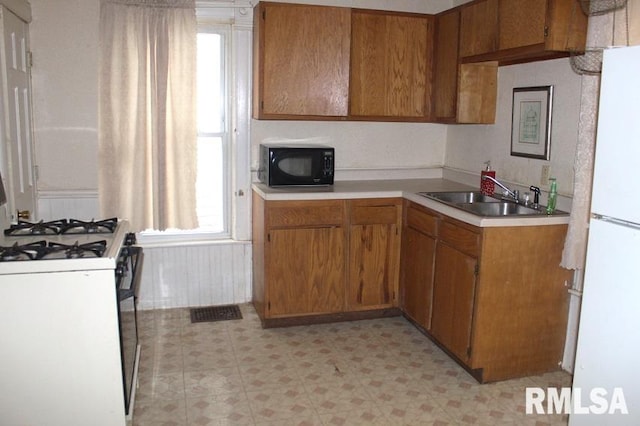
x,y
553,196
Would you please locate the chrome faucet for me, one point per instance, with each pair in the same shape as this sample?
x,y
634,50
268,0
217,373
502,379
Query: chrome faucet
x,y
515,194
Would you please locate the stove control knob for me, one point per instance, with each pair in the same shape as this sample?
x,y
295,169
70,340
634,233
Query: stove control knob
x,y
121,269
130,239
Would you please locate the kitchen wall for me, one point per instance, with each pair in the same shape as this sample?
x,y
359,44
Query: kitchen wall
x,y
64,42
469,146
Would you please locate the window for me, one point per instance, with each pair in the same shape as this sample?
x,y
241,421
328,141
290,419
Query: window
x,y
213,138
224,179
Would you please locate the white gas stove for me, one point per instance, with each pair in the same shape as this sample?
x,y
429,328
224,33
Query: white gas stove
x,y
62,245
69,349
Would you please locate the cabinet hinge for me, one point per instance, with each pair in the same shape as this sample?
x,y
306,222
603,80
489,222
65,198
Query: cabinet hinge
x,y
264,14
261,104
269,305
29,59
546,31
476,270
469,351
269,237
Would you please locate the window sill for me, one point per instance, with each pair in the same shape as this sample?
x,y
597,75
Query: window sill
x,y
158,240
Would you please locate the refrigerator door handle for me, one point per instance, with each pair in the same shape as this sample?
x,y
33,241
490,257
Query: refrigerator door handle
x,y
616,221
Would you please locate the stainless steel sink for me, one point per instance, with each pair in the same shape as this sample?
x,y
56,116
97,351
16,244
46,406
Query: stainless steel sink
x,y
483,205
499,209
466,197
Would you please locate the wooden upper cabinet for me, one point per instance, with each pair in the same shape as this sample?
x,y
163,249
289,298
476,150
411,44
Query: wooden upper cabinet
x,y
445,66
391,56
477,93
522,23
479,28
558,25
566,26
515,31
462,93
301,60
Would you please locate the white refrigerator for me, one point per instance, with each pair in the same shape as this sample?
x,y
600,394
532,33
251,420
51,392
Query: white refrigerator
x,y
607,367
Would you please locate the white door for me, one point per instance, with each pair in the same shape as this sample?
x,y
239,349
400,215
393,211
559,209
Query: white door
x,y
16,137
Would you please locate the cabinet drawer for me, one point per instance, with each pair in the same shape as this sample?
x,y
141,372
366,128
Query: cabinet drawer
x,y
422,221
462,239
370,215
310,213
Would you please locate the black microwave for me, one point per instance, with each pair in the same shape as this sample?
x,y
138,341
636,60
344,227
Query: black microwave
x,y
302,165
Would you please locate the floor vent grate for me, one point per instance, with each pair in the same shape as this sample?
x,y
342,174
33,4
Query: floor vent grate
x,y
215,313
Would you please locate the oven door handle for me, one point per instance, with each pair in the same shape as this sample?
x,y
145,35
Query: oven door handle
x,y
134,260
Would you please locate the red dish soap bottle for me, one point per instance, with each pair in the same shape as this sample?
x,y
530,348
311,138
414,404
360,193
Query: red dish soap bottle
x,y
487,187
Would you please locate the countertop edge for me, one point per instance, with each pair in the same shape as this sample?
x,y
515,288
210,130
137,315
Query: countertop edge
x,y
407,190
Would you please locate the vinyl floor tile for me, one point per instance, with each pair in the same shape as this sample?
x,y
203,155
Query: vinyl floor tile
x,y
373,372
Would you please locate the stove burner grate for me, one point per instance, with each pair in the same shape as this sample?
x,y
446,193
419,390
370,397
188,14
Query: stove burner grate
x,y
23,228
75,250
75,226
31,251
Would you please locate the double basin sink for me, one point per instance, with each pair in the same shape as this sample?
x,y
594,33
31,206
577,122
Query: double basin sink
x,y
484,205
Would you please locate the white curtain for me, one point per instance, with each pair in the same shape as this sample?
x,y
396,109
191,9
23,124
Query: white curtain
x,y
147,112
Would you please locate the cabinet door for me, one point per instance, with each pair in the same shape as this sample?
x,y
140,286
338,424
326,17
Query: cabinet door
x,y
374,252
477,92
417,278
479,28
554,25
453,299
390,63
445,76
306,271
522,23
301,55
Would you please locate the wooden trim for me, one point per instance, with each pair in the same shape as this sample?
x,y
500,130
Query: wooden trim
x,y
20,8
329,318
516,55
258,256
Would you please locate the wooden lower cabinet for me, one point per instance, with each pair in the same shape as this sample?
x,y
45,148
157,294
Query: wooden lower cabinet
x,y
306,267
374,253
325,258
499,297
454,287
495,298
418,260
453,299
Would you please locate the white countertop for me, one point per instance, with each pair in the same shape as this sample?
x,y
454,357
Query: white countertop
x,y
408,189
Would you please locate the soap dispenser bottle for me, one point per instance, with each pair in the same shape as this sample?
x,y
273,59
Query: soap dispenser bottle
x,y
487,187
553,196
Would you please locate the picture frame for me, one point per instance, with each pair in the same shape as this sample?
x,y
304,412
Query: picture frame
x,y
531,122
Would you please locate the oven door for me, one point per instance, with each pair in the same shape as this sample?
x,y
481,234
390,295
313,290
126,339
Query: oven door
x,y
128,273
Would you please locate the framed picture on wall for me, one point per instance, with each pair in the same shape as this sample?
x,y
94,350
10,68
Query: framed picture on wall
x,y
531,122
